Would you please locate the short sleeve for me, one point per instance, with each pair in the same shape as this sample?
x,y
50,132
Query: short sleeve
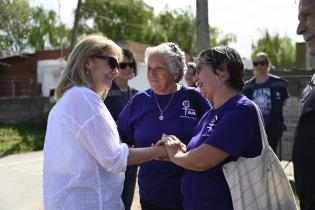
x,y
286,92
237,133
124,124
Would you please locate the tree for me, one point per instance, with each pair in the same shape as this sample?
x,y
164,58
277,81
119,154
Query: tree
x,y
44,30
280,50
119,20
217,38
178,26
133,19
23,27
184,30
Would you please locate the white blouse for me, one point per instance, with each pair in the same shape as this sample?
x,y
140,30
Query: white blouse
x,y
84,161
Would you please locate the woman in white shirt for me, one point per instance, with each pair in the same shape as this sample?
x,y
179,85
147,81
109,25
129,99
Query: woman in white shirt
x,y
84,160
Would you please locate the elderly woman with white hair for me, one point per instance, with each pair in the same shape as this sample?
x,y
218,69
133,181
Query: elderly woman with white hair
x,y
165,108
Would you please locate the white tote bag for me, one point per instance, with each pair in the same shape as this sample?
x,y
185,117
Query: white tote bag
x,y
259,183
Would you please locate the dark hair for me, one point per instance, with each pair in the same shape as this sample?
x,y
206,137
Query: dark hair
x,y
220,57
191,67
129,54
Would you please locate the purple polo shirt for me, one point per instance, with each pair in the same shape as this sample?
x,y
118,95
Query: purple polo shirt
x,y
139,124
233,128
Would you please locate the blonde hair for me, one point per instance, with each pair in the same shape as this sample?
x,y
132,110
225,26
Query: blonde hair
x,y
75,73
266,57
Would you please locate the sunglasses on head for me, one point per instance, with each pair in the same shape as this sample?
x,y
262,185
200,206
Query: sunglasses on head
x,y
262,63
112,62
124,65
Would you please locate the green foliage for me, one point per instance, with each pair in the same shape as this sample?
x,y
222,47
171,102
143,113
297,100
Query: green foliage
x,y
21,138
219,39
119,20
280,50
46,30
178,26
23,27
134,20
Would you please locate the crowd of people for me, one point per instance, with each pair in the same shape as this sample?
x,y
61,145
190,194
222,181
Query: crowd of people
x,y
176,138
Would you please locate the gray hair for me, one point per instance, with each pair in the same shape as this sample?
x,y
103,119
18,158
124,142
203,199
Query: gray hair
x,y
173,56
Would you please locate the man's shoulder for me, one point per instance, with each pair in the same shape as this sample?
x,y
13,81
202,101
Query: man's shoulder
x,y
309,105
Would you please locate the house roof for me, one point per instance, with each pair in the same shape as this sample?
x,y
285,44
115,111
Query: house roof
x,y
40,55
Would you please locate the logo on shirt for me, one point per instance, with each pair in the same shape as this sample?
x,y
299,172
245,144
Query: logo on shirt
x,y
211,125
262,97
187,111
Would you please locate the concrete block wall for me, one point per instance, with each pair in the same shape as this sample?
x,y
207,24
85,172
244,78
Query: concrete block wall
x,y
35,109
23,109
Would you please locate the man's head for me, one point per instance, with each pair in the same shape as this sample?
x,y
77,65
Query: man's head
x,y
306,25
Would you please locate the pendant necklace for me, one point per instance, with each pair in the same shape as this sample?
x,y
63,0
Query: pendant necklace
x,y
161,117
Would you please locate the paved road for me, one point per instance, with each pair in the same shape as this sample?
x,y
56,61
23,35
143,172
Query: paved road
x,y
21,179
21,182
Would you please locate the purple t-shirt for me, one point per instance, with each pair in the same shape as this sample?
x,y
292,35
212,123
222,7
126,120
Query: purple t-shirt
x,y
233,128
139,124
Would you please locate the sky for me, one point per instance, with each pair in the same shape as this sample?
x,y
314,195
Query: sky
x,y
243,18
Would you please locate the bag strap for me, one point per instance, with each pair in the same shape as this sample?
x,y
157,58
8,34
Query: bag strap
x,y
195,101
261,126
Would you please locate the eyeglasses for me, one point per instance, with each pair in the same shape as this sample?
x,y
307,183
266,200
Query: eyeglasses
x,y
307,90
112,62
262,63
199,68
124,65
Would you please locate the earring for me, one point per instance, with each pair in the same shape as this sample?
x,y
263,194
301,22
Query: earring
x,y
218,80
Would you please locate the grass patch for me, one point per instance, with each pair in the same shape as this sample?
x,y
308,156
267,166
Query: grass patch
x,y
20,138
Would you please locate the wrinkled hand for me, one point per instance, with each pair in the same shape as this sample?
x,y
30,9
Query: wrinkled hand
x,y
162,151
172,145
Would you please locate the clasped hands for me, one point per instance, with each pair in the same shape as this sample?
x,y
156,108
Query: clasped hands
x,y
172,146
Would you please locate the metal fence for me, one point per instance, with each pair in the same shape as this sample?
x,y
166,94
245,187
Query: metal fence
x,y
297,80
11,86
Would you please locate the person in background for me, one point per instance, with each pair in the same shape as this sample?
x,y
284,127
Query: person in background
x,y
190,74
219,137
304,138
269,92
166,107
117,98
84,161
120,92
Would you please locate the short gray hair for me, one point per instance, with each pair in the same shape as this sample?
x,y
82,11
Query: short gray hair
x,y
173,56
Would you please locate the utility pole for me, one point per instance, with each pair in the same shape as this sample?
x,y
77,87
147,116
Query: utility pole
x,y
75,26
203,24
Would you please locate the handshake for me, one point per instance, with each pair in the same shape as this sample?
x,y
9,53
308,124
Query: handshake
x,y
172,147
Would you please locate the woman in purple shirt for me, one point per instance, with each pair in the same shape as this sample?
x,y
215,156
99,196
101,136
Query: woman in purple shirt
x,y
165,108
224,133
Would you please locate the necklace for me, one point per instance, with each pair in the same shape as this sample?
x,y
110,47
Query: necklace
x,y
161,117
